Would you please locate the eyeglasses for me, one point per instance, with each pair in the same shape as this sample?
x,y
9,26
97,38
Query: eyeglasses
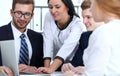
x,y
19,14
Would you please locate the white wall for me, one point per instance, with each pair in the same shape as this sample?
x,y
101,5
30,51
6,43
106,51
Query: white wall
x,y
44,2
5,6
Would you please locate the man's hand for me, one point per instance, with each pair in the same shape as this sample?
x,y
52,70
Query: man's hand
x,y
26,68
69,67
79,69
6,70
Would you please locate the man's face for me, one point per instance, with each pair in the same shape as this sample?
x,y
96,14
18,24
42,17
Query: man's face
x,y
88,19
22,15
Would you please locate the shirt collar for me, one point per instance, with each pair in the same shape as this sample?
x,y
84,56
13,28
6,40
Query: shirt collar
x,y
16,32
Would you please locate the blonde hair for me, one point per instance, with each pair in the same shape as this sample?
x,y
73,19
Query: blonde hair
x,y
112,6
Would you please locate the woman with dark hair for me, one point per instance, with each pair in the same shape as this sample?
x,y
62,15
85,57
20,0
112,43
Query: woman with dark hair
x,y
62,30
70,6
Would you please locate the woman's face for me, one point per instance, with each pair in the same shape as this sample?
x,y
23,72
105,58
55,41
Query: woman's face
x,y
58,9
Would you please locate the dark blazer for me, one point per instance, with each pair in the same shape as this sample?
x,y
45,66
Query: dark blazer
x,y
0,60
36,41
78,57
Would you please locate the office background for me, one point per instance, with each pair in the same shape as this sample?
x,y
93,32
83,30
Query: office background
x,y
40,11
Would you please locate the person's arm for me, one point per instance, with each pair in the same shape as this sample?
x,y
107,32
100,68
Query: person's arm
x,y
47,62
55,65
48,40
70,45
96,56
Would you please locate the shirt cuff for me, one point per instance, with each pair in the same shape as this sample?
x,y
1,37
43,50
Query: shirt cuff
x,y
60,58
47,58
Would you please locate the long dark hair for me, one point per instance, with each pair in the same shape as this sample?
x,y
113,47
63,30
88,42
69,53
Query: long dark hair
x,y
69,4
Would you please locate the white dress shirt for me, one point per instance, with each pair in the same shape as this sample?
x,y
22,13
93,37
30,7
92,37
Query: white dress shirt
x,y
61,43
16,34
102,56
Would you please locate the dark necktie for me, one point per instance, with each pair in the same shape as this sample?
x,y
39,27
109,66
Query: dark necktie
x,y
24,56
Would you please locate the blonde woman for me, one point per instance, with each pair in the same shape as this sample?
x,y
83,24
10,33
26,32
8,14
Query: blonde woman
x,y
102,56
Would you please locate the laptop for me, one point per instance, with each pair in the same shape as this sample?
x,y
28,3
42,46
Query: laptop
x,y
8,54
9,59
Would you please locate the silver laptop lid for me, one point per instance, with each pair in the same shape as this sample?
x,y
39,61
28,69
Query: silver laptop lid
x,y
8,54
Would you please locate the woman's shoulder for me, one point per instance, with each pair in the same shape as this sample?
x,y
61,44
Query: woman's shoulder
x,y
77,23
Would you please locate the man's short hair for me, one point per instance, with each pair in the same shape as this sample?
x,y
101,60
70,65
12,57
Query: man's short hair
x,y
22,2
85,4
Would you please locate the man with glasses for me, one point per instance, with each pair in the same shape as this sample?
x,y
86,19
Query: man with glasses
x,y
22,13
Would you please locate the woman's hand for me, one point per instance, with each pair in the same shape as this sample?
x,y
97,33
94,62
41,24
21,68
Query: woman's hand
x,y
46,70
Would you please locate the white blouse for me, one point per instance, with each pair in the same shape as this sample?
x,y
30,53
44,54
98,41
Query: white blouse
x,y
61,43
102,56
